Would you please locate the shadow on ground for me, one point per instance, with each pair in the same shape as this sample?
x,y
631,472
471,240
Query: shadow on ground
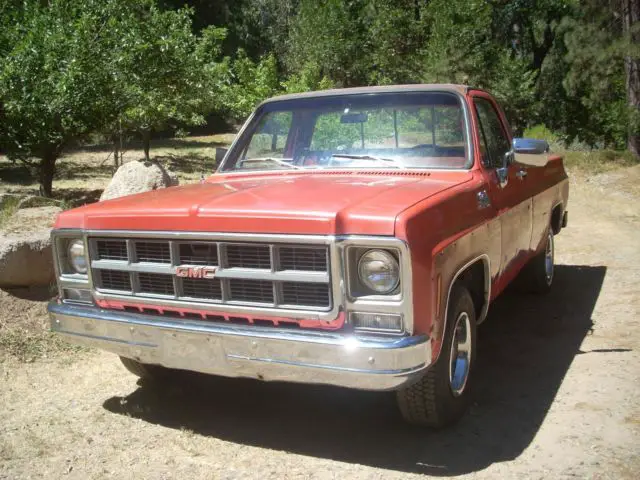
x,y
525,349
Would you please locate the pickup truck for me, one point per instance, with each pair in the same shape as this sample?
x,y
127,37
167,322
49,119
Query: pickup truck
x,y
350,237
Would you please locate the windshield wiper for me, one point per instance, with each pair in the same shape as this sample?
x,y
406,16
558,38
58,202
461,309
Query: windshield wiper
x,y
279,161
395,162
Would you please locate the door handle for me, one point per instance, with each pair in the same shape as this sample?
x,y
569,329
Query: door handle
x,y
521,174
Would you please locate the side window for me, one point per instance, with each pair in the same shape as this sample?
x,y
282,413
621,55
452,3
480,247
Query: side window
x,y
493,141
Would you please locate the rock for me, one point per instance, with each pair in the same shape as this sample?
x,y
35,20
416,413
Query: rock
x,y
136,177
25,248
35,201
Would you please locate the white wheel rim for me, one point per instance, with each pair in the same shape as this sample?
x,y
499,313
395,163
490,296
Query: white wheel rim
x,y
460,357
548,259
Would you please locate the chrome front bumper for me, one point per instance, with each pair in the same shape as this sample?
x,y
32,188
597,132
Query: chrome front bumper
x,y
263,353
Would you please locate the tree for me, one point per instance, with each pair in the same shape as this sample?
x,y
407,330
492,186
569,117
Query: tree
x,y
163,75
51,81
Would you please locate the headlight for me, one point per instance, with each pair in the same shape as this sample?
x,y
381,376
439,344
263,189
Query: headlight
x,y
379,271
77,258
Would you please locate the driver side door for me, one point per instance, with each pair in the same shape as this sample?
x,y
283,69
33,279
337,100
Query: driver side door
x,y
509,197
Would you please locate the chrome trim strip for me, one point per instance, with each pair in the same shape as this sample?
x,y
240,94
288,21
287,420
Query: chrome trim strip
x,y
229,272
371,363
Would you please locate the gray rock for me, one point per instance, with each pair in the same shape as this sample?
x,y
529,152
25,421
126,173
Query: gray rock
x,y
25,248
137,177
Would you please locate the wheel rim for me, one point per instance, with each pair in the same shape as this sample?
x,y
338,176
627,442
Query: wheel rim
x,y
460,360
548,259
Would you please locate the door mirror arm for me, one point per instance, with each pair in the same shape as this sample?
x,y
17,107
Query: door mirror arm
x,y
502,172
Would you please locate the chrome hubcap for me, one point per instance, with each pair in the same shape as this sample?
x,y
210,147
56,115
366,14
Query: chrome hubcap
x,y
548,259
460,360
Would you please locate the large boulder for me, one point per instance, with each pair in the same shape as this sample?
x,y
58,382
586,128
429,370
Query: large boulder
x,y
137,177
25,248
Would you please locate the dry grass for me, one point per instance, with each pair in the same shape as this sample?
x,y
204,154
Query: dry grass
x,y
82,174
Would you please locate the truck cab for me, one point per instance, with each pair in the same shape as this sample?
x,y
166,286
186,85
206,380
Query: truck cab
x,y
351,237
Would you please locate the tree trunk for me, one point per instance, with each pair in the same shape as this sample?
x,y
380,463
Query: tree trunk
x,y
146,142
631,17
116,152
47,169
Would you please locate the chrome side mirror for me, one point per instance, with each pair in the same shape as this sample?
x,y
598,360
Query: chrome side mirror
x,y
503,176
531,152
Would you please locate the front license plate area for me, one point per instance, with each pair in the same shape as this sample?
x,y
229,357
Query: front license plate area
x,y
193,351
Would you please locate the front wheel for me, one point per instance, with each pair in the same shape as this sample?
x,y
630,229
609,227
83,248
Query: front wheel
x,y
145,370
441,397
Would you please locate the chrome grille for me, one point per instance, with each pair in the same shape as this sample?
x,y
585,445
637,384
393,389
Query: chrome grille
x,y
303,258
260,274
248,256
153,252
111,250
260,291
156,284
114,280
310,294
203,288
198,253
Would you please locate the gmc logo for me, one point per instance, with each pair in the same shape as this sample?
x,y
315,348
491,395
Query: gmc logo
x,y
196,272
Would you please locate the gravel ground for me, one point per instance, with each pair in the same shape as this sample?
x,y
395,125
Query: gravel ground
x,y
558,394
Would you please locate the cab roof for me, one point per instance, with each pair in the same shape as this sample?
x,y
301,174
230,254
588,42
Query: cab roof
x,y
425,87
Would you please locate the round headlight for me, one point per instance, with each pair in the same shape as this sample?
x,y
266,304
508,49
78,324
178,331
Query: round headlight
x,y
77,258
379,271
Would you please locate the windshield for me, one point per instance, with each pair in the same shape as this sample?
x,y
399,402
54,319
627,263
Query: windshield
x,y
385,130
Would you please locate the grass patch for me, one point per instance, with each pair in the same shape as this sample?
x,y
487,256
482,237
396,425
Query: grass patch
x,y
8,207
28,345
598,161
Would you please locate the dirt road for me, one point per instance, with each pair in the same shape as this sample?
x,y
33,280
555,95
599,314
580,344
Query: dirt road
x,y
558,397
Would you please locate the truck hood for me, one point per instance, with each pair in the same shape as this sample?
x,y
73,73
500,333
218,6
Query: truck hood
x,y
319,203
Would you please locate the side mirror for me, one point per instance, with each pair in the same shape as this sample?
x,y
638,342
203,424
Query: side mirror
x,y
530,152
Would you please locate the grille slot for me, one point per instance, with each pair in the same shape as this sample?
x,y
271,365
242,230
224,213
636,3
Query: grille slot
x,y
248,256
198,254
115,280
202,288
260,291
153,252
307,294
111,250
156,283
312,259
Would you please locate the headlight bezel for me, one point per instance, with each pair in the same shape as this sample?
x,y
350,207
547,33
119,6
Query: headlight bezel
x,y
382,257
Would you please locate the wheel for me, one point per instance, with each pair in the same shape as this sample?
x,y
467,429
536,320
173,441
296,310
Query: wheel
x,y
537,275
441,397
145,370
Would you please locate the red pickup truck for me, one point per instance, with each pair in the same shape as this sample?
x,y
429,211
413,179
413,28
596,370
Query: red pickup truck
x,y
351,237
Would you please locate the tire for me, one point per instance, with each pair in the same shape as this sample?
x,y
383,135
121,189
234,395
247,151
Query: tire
x,y
145,370
537,275
441,397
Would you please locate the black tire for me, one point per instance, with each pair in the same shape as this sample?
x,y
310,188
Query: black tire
x,y
434,400
145,370
537,276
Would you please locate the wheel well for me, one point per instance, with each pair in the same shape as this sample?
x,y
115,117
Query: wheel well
x,y
556,219
474,279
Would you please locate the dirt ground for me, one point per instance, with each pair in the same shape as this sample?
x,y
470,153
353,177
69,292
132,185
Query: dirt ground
x,y
558,394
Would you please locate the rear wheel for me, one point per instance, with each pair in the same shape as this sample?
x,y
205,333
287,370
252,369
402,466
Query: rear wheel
x,y
537,275
145,370
442,395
